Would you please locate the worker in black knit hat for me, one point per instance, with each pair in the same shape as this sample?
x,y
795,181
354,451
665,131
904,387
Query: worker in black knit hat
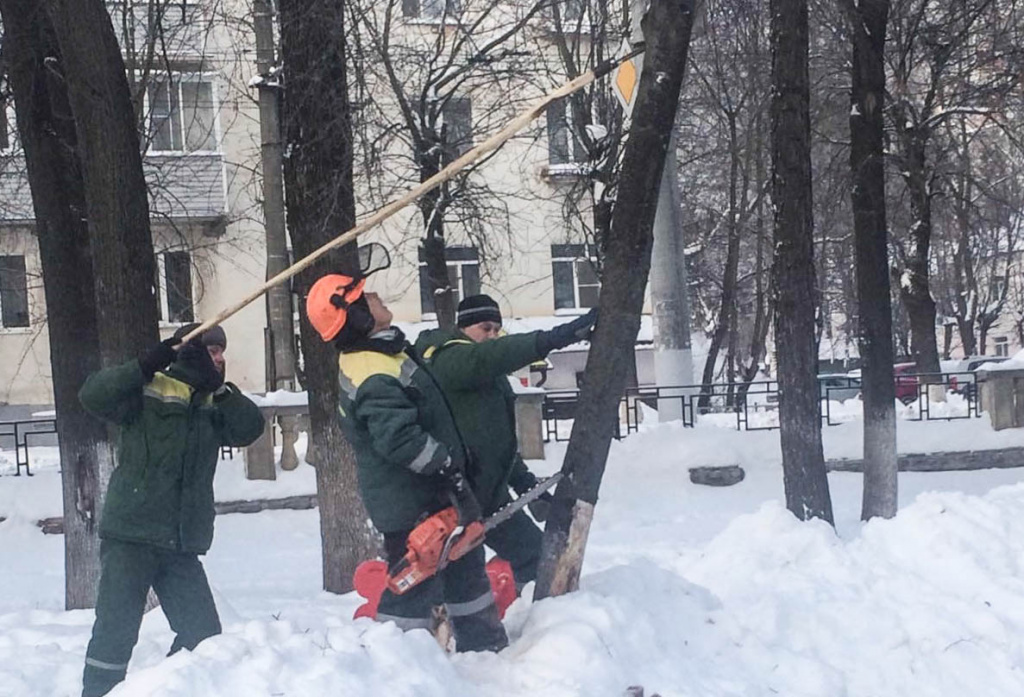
x,y
471,364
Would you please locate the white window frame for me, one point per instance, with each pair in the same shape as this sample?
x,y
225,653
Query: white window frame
x,y
448,115
181,77
589,257
161,274
28,302
1001,345
578,157
570,25
459,278
451,13
178,16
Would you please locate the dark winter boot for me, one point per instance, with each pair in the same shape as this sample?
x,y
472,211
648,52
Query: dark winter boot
x,y
480,631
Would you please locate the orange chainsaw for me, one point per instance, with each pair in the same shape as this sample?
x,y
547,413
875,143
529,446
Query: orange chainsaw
x,y
440,539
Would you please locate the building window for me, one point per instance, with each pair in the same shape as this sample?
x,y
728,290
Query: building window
x,y
5,128
571,12
431,10
6,116
182,114
13,292
564,147
175,270
457,116
1002,345
575,279
463,276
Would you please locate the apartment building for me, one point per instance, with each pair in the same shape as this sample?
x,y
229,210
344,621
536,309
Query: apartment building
x,y
200,127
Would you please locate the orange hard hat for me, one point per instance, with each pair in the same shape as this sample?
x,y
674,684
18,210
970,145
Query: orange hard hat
x,y
328,301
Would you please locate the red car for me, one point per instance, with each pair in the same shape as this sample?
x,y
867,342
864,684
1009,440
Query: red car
x,y
906,382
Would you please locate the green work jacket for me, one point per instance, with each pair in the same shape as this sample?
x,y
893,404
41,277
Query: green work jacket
x,y
161,492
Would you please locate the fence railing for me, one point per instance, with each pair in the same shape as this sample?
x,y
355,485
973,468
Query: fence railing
x,y
754,406
20,434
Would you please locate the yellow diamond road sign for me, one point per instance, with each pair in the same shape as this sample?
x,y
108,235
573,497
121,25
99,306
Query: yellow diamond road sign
x,y
626,79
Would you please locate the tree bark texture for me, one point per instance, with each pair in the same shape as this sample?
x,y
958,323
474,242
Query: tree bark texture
x,y
874,300
320,204
48,140
432,206
626,267
915,286
122,263
727,306
803,463
115,187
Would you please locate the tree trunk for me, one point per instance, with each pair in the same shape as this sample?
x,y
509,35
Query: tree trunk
x,y
320,204
947,341
48,140
915,287
123,266
762,300
803,460
874,303
115,187
965,284
727,308
626,266
432,207
281,357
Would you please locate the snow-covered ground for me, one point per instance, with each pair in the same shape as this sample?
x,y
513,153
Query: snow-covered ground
x,y
686,590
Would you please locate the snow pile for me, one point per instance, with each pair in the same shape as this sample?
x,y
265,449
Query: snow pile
x,y
1015,363
931,603
687,590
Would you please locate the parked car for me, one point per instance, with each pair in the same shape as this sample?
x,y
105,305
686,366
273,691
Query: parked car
x,y
963,380
838,387
906,382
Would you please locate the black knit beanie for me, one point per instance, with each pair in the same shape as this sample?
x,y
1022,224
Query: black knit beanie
x,y
476,309
214,336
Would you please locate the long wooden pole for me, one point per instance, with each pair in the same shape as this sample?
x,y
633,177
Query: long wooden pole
x,y
490,145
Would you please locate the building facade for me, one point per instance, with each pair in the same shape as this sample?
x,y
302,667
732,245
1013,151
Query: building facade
x,y
201,134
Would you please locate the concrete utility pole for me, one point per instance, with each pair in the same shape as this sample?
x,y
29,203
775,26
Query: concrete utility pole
x,y
673,357
280,353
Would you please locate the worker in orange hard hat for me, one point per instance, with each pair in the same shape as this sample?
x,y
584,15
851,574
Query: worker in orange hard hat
x,y
410,458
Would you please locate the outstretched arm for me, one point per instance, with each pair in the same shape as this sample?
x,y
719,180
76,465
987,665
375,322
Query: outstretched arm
x,y
463,364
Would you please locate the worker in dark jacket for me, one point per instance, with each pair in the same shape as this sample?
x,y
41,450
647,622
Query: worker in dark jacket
x,y
472,364
409,457
175,412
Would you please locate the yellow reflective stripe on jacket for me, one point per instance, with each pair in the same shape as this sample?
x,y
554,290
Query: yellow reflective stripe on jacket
x,y
357,367
431,350
164,388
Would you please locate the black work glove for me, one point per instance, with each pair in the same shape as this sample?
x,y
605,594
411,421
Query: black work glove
x,y
462,495
521,483
158,358
566,334
541,506
197,360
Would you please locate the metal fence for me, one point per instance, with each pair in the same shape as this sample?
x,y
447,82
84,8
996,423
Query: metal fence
x,y
20,434
754,406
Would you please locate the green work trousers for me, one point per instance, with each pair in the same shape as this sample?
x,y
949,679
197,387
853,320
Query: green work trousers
x,y
128,571
462,587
